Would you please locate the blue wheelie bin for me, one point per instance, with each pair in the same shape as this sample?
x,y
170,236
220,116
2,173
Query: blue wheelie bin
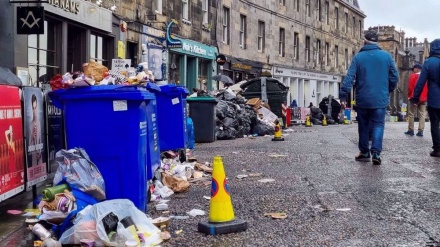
x,y
153,146
110,123
171,117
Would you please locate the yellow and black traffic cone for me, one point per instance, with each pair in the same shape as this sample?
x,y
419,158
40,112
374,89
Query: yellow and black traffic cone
x,y
278,136
324,121
308,123
221,213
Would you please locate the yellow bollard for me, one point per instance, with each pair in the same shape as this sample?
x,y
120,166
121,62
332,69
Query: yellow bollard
x,y
278,136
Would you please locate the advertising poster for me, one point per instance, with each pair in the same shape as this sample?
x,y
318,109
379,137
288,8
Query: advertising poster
x,y
55,137
155,60
11,143
34,135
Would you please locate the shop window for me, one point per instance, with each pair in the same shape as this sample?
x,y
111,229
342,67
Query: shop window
x,y
225,22
205,10
175,68
185,10
243,31
42,54
204,66
261,33
99,45
281,42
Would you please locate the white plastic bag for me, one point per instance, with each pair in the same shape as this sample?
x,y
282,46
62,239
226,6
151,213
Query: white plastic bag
x,y
89,224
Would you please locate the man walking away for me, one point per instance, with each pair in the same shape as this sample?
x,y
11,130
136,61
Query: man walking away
x,y
431,74
421,107
375,76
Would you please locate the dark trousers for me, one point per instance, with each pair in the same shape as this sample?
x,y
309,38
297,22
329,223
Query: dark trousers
x,y
434,118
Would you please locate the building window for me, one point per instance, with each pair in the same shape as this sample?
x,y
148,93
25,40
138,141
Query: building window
x,y
243,31
296,5
307,49
346,23
353,30
336,18
42,55
336,54
326,13
205,10
308,7
261,33
360,29
318,10
282,2
185,10
296,46
318,52
225,22
346,58
282,42
159,6
327,54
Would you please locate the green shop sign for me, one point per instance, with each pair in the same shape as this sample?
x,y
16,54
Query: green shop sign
x,y
197,49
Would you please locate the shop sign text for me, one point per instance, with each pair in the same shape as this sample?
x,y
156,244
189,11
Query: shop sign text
x,y
66,5
194,49
241,66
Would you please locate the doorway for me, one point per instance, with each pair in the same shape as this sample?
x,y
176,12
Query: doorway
x,y
76,48
132,53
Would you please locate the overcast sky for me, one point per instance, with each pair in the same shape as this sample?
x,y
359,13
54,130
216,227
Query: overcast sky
x,y
419,18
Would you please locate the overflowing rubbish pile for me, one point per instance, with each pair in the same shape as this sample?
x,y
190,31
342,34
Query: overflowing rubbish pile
x,y
236,118
334,117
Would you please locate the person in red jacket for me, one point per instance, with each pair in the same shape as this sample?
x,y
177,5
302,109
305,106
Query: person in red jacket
x,y
421,107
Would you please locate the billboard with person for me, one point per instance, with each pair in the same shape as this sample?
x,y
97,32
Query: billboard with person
x,y
11,143
34,135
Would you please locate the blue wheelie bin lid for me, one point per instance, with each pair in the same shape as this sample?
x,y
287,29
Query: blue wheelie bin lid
x,y
114,92
171,89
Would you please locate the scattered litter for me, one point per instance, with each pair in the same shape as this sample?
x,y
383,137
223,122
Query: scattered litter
x,y
343,209
165,212
29,214
255,174
32,210
14,212
178,232
203,168
179,217
161,221
165,235
207,197
235,152
196,212
277,155
322,208
197,174
288,130
266,180
242,176
162,206
276,215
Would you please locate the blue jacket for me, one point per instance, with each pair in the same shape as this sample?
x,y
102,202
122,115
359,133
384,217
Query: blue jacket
x,y
431,73
376,77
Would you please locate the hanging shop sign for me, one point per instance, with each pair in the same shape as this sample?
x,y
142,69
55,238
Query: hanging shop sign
x,y
220,59
172,42
30,20
66,5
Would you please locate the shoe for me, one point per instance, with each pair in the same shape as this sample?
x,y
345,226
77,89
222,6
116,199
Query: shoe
x,y
364,157
376,159
420,133
435,153
409,132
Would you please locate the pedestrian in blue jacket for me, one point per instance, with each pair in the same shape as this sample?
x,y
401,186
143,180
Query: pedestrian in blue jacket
x,y
431,74
374,75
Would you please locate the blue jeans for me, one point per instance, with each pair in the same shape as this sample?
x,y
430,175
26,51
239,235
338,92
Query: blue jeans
x,y
434,118
375,118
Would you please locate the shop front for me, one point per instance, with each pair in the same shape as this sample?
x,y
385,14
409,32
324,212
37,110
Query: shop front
x,y
242,69
193,65
154,53
73,34
307,87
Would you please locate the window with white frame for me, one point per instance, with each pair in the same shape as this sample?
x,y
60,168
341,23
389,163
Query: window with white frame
x,y
336,56
282,42
327,12
205,10
261,33
225,23
318,10
243,31
296,46
337,18
327,53
159,6
307,49
185,9
308,7
346,23
318,52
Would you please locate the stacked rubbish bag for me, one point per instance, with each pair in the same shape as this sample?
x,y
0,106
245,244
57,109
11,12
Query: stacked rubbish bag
x,y
237,118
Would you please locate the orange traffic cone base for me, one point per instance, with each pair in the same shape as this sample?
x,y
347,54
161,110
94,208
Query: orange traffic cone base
x,y
222,228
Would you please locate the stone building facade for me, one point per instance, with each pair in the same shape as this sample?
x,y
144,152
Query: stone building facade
x,y
308,45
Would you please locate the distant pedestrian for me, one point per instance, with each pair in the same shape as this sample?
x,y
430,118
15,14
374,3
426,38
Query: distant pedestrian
x,y
431,74
421,106
310,105
375,76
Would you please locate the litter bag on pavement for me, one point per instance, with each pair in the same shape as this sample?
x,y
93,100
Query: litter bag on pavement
x,y
75,168
262,129
99,222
